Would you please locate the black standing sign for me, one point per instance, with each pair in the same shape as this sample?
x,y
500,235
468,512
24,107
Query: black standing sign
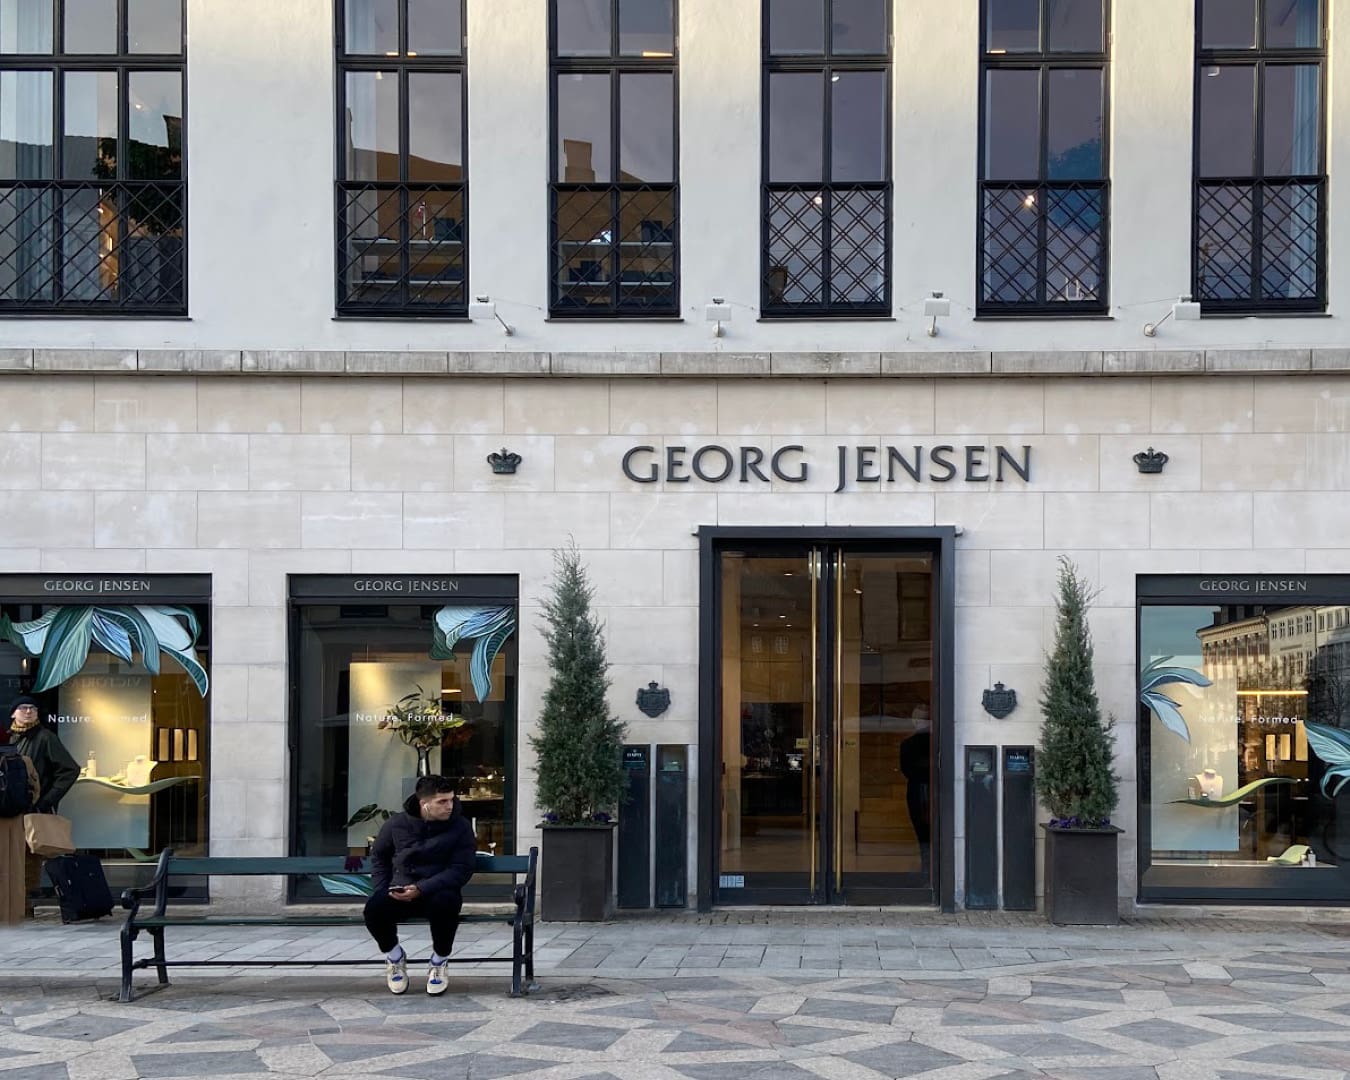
x,y
635,829
672,838
1019,828
981,829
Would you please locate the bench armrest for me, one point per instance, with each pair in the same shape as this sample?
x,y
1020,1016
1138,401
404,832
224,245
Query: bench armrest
x,y
158,888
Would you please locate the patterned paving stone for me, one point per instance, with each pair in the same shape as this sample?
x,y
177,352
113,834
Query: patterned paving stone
x,y
150,1065
903,1059
1166,1033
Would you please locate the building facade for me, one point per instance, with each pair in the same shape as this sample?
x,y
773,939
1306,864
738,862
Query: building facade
x,y
824,330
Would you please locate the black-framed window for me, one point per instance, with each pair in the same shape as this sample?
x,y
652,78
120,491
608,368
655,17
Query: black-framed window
x,y
121,668
402,194
826,191
1044,195
613,194
366,652
1243,737
1260,156
93,187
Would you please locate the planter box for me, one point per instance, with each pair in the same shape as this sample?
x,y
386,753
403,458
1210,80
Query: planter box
x,y
1082,876
576,873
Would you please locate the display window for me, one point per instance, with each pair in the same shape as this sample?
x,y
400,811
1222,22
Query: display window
x,y
1244,733
120,668
397,678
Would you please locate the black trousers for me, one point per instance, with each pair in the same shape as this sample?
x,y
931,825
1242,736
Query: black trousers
x,y
384,913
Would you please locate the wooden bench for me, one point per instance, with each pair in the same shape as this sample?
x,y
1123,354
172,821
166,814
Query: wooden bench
x,y
349,871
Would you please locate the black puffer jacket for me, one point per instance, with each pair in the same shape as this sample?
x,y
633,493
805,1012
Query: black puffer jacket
x,y
56,769
436,856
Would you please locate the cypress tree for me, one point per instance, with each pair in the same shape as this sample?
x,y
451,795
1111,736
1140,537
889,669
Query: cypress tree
x,y
1074,777
579,743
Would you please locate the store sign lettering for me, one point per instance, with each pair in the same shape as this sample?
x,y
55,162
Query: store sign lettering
x,y
405,585
95,585
1254,585
714,464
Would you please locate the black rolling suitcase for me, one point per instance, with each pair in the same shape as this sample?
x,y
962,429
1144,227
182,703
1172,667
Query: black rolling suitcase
x,y
80,887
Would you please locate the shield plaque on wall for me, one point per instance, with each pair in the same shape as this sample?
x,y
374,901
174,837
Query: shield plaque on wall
x,y
999,701
654,700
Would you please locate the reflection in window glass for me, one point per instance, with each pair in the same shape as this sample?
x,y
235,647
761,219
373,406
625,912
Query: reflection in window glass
x,y
435,128
583,129
1242,703
646,28
90,26
796,125
25,27
1228,24
155,26
858,128
1293,24
155,117
1227,120
356,666
140,738
796,27
1012,144
584,28
90,135
25,125
1074,138
1073,26
372,27
435,27
1292,119
646,128
372,125
858,26
1013,26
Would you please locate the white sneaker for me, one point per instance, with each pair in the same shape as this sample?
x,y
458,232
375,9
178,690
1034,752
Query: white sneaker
x,y
396,975
436,980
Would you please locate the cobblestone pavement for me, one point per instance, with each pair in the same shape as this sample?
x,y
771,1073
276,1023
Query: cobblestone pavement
x,y
746,997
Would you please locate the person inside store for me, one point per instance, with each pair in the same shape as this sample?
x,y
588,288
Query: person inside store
x,y
421,862
915,756
56,772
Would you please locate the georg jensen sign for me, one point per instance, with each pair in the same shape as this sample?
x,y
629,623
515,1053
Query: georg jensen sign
x,y
713,463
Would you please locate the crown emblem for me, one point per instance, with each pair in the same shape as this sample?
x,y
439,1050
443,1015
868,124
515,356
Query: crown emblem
x,y
999,701
1150,460
504,461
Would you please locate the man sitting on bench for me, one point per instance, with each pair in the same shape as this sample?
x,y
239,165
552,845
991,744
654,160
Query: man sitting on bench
x,y
421,860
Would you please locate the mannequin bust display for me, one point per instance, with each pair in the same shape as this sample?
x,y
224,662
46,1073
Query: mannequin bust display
x,y
1211,784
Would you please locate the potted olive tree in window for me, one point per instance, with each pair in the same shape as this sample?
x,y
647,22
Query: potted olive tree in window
x,y
578,751
1074,774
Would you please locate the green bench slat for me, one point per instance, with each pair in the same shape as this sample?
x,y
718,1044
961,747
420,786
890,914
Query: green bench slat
x,y
290,920
320,864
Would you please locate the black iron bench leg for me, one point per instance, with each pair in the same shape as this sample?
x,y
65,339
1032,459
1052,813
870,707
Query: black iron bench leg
x,y
158,935
128,936
530,984
517,961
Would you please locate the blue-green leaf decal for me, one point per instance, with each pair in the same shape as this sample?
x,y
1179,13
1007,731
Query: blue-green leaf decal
x,y
1167,711
1332,745
346,884
488,627
62,636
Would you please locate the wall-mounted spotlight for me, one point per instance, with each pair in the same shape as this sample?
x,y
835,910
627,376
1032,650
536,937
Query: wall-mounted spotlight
x,y
719,312
936,307
483,308
1184,310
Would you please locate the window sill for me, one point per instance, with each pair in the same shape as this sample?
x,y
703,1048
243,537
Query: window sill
x,y
1218,315
1042,316
403,317
818,317
593,320
93,316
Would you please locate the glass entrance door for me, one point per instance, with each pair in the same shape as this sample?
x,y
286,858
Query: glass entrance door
x,y
826,700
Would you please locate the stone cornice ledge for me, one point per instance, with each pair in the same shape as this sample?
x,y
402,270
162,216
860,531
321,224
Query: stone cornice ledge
x,y
917,364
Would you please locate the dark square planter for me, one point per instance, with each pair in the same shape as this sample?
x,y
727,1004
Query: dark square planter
x,y
576,873
1081,876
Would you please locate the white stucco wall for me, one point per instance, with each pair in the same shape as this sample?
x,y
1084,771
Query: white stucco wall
x,y
260,150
